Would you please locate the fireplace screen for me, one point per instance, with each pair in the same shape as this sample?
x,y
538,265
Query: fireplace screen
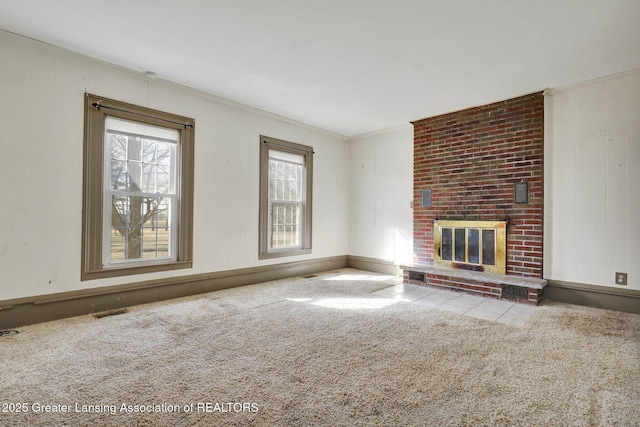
x,y
471,245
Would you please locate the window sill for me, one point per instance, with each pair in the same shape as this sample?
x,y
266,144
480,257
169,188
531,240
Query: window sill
x,y
284,253
129,271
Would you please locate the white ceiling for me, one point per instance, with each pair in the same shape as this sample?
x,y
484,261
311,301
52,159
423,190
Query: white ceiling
x,y
347,66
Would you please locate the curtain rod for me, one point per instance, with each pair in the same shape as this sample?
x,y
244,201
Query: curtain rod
x,y
99,106
288,148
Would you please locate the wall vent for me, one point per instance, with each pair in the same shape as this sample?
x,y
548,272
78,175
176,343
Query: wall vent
x,y
514,291
110,313
426,198
416,275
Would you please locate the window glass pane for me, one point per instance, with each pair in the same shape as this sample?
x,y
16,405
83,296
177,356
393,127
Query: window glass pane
x,y
149,178
293,239
489,247
118,243
165,151
473,245
281,182
273,181
272,169
284,180
129,215
163,180
149,240
275,232
119,211
447,244
149,151
134,229
134,164
155,228
162,242
277,236
163,217
286,190
139,163
118,146
119,175
137,211
459,245
166,158
284,225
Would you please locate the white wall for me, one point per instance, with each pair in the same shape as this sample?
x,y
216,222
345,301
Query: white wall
x,y
592,181
362,188
380,194
41,146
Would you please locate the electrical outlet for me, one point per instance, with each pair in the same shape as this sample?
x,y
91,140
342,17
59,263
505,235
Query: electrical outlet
x,y
621,279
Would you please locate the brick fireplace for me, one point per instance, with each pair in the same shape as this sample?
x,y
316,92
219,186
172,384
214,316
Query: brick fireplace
x,y
483,164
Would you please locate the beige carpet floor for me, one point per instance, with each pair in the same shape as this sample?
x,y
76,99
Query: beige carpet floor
x,y
322,351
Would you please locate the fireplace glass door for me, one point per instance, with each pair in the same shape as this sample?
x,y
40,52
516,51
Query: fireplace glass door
x,y
472,245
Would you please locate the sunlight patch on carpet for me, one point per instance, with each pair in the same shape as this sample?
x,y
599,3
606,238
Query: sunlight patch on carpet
x,y
355,303
356,277
349,303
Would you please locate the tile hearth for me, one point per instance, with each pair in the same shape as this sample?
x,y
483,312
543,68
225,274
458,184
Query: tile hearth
x,y
507,312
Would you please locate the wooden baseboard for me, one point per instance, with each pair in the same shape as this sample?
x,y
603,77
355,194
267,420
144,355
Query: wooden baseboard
x,y
44,308
373,264
619,299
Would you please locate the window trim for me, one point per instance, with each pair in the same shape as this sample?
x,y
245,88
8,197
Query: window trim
x,y
93,179
264,251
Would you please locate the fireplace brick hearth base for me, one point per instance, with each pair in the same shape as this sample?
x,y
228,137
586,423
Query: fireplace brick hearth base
x,y
514,288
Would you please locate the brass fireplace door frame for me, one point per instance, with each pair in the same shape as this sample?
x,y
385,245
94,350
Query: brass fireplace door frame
x,y
499,254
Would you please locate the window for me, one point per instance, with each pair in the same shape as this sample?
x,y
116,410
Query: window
x,y
138,190
286,171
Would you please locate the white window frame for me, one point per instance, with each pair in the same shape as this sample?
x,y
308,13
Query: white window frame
x,y
167,135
